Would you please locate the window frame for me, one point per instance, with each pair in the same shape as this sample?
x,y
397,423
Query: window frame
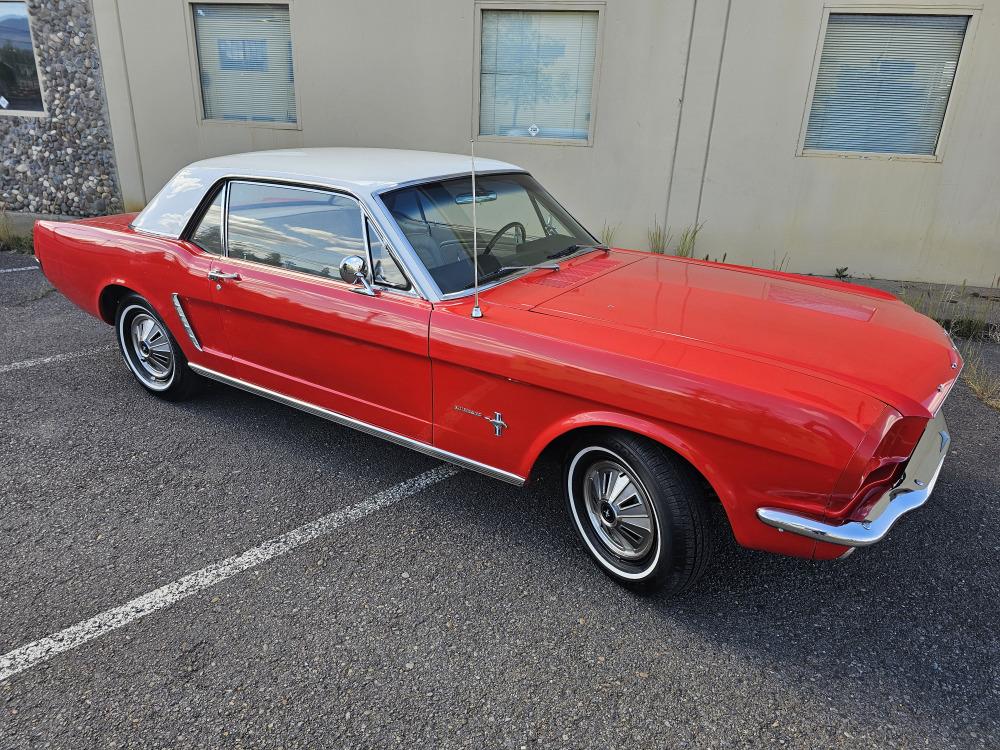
x,y
195,66
224,185
44,112
217,190
972,11
368,224
439,295
598,6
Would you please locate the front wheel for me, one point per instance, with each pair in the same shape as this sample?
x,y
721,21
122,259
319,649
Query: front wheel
x,y
151,352
639,510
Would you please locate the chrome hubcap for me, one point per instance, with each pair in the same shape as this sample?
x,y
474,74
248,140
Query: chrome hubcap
x,y
619,509
152,346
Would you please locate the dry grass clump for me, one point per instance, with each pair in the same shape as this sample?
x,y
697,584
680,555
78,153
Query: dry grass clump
x,y
972,318
608,234
10,240
964,314
659,238
685,249
982,379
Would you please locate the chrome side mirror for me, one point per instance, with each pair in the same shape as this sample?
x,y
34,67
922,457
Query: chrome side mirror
x,y
351,267
354,270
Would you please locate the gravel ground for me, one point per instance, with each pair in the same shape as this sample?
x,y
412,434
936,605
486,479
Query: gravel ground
x,y
466,615
946,301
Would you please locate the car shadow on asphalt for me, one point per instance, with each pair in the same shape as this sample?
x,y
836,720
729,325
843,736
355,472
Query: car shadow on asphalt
x,y
910,622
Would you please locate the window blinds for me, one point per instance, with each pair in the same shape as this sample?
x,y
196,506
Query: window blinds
x,y
537,73
883,82
245,62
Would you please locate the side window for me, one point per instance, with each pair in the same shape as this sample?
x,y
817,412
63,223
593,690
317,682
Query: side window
x,y
385,272
208,234
295,228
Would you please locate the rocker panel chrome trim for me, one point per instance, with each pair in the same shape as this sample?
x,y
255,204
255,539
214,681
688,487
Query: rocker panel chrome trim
x,y
392,437
185,322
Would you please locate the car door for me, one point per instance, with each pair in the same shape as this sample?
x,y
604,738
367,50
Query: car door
x,y
293,326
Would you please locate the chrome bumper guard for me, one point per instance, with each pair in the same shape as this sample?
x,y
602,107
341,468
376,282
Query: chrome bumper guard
x,y
910,493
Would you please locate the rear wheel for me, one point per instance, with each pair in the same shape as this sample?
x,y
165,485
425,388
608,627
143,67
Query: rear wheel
x,y
151,352
639,510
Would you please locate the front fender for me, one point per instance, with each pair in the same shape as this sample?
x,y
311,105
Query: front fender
x,y
743,476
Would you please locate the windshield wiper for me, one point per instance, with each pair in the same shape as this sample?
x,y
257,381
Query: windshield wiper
x,y
575,248
507,269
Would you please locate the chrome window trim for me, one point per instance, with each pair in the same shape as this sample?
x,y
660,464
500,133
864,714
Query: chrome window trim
x,y
403,252
328,280
438,295
417,290
368,249
225,219
370,222
151,233
200,212
512,276
487,286
414,291
357,424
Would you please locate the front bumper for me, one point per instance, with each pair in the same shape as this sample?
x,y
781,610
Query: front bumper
x,y
910,492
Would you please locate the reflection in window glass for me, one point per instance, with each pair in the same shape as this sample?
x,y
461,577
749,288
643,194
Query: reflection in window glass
x,y
208,235
19,87
884,82
517,223
301,230
245,62
536,74
385,272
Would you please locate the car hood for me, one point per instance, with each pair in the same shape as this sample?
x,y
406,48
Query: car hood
x,y
852,335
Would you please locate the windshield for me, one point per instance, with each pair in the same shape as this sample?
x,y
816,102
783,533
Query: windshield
x,y
518,224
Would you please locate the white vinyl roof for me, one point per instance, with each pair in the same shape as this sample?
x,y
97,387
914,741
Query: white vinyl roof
x,y
360,171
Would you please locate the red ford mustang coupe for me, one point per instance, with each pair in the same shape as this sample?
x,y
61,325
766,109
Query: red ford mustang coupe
x,y
341,282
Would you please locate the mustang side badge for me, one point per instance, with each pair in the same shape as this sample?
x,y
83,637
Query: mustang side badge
x,y
496,420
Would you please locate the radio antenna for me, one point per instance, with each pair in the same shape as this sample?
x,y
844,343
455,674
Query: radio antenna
x,y
476,311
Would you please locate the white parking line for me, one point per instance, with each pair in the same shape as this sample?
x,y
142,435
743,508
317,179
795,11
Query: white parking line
x,y
29,655
22,268
25,364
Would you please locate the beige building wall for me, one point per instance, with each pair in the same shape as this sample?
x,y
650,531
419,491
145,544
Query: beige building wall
x,y
697,117
924,220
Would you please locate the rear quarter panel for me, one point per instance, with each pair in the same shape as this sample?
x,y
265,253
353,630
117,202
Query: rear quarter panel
x,y
84,258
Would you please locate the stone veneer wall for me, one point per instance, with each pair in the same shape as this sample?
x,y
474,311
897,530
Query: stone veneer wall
x,y
63,162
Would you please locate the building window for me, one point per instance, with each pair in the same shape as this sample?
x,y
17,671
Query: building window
x,y
536,73
883,82
20,90
245,62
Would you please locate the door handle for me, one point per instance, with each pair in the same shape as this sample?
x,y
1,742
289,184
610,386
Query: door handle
x,y
220,276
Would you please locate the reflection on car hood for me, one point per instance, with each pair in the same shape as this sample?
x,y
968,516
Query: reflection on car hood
x,y
863,338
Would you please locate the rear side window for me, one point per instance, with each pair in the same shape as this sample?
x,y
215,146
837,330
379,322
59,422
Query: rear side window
x,y
295,228
208,234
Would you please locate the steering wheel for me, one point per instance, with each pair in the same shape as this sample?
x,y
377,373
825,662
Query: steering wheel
x,y
502,231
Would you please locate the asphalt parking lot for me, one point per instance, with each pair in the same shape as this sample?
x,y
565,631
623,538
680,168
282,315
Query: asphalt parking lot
x,y
459,612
